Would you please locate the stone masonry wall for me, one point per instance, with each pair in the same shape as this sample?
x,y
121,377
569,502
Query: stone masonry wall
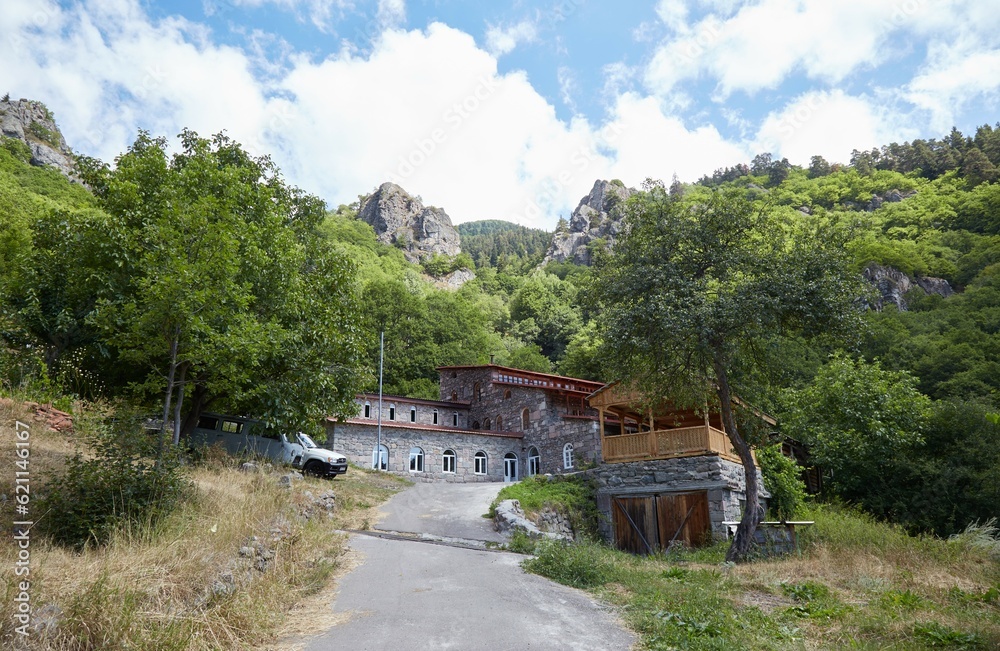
x,y
357,443
548,430
724,482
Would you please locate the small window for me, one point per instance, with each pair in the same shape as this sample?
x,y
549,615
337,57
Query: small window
x,y
413,414
416,460
208,422
499,423
481,463
454,420
454,375
534,462
232,426
477,391
448,461
368,410
392,412
435,415
568,456
506,394
380,458
525,421
454,396
486,424
475,424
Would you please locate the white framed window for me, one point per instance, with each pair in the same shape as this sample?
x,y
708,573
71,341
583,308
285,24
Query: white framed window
x,y
380,458
368,410
435,415
481,463
413,414
448,461
568,456
416,460
392,412
534,462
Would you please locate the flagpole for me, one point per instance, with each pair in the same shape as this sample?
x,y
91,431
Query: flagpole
x,y
378,447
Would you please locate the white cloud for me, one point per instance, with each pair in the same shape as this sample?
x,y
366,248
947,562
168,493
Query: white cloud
x,y
651,144
955,76
392,12
828,124
763,43
323,14
501,40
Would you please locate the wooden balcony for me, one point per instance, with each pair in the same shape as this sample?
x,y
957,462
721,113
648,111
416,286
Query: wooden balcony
x,y
669,444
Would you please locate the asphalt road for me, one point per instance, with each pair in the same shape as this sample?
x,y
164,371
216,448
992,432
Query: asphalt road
x,y
418,595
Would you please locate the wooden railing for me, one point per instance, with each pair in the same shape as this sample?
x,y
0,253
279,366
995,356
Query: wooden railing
x,y
669,443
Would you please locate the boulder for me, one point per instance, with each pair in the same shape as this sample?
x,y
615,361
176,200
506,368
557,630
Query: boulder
x,y
598,216
892,285
402,220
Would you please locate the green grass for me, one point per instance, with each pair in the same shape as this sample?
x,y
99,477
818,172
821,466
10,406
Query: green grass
x,y
569,495
857,584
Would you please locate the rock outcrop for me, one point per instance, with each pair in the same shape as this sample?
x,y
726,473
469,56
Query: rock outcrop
x,y
597,218
33,124
402,220
892,285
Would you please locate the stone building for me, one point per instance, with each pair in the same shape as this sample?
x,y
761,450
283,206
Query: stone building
x,y
492,423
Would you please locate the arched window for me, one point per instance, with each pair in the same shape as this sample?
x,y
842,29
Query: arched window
x,y
454,396
525,422
568,456
475,424
486,424
380,458
481,463
448,461
506,394
368,410
413,414
416,460
435,415
392,412
477,391
499,423
534,462
454,419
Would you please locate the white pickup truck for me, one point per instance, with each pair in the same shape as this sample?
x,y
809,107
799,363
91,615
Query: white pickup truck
x,y
245,436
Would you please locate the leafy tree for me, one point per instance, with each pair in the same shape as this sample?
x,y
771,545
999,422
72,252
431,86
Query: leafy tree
x,y
818,167
857,418
692,291
782,477
227,287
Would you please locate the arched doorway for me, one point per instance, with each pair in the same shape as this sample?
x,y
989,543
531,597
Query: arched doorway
x,y
510,467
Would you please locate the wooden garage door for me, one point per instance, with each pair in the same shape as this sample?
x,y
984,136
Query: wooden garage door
x,y
649,523
683,516
635,525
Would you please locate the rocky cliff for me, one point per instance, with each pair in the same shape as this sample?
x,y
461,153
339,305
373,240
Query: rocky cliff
x,y
33,124
892,285
597,219
402,220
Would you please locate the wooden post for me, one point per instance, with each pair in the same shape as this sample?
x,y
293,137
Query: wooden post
x,y
600,422
653,448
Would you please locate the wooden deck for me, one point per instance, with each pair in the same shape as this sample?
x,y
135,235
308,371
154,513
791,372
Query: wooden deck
x,y
668,444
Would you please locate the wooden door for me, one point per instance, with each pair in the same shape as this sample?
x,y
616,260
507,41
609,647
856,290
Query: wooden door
x,y
683,517
635,525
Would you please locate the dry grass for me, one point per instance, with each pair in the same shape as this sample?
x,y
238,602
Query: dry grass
x,y
222,572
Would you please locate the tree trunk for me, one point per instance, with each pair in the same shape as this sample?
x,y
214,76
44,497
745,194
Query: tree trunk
x,y
160,445
753,513
198,403
178,404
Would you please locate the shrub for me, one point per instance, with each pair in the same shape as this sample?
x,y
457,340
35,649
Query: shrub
x,y
120,486
782,479
581,565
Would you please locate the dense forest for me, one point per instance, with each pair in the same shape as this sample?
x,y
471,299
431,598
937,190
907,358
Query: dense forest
x,y
205,270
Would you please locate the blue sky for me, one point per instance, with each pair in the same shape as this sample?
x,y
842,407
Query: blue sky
x,y
507,110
